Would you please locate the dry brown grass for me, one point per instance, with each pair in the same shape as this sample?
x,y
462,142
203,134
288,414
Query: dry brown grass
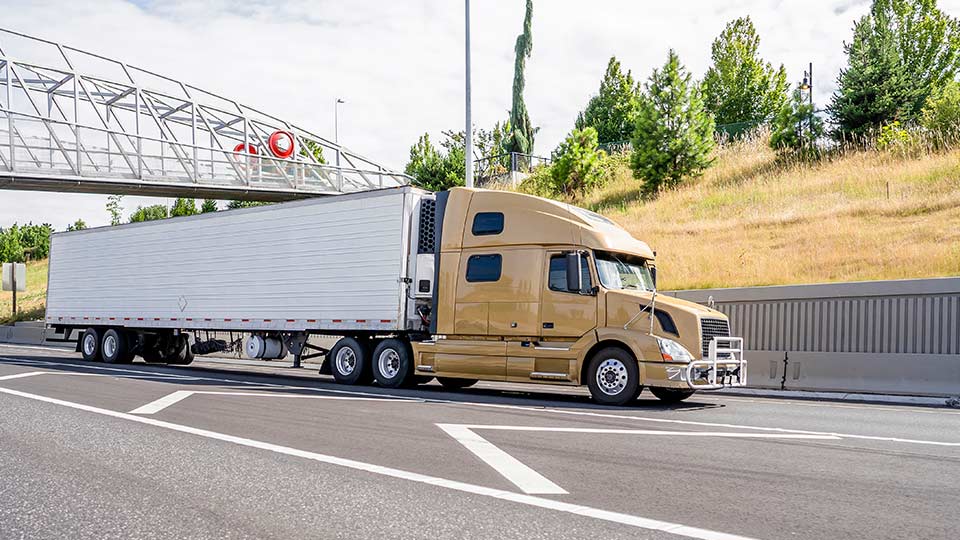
x,y
755,220
30,304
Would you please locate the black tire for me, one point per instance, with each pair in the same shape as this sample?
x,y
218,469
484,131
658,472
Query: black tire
x,y
350,361
114,346
672,395
90,344
181,354
392,363
621,375
453,383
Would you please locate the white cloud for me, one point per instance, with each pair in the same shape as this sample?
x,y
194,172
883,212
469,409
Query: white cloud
x,y
399,65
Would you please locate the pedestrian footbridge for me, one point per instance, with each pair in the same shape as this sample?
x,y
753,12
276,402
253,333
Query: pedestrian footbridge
x,y
76,121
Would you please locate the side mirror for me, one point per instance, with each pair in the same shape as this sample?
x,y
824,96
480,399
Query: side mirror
x,y
574,271
653,274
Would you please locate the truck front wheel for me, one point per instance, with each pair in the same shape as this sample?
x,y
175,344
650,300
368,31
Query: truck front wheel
x,y
613,377
392,363
350,361
90,345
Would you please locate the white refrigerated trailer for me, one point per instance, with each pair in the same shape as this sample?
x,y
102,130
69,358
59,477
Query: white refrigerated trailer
x,y
277,273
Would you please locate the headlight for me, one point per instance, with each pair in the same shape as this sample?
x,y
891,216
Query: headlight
x,y
671,351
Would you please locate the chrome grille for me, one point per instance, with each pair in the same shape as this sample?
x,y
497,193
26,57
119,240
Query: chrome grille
x,y
711,328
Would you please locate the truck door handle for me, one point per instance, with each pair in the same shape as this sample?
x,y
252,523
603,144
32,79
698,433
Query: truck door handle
x,y
548,325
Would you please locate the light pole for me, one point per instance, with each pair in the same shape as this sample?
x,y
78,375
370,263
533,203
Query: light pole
x,y
468,129
808,86
336,120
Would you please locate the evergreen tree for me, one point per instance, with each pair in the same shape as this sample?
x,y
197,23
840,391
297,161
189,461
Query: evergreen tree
x,y
434,169
579,164
613,111
902,52
521,135
740,86
183,207
674,134
209,205
796,127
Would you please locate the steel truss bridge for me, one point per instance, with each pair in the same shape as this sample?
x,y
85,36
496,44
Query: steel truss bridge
x,y
76,121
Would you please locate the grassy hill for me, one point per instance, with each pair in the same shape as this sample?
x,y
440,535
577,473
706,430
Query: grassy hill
x,y
30,304
755,220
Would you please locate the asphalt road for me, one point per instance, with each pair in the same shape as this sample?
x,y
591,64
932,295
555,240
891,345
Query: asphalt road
x,y
138,451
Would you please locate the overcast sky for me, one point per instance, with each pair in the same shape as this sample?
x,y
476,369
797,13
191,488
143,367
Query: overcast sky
x,y
399,63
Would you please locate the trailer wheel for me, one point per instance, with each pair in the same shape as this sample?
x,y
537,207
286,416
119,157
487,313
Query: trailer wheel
x,y
453,383
392,363
613,377
182,355
90,345
350,361
672,395
115,347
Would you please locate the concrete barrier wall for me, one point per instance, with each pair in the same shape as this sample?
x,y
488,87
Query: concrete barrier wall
x,y
880,336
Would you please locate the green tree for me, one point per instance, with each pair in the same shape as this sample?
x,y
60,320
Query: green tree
x,y
674,134
941,115
77,225
902,52
522,131
740,86
149,213
209,205
10,248
233,205
183,207
613,111
579,164
115,209
437,169
35,240
796,128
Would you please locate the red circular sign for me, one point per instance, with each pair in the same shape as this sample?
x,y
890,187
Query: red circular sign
x,y
281,144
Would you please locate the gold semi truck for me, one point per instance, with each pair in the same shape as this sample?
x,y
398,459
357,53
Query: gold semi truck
x,y
462,286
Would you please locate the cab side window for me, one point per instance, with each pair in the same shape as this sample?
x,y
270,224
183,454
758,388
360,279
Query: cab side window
x,y
558,273
482,268
487,223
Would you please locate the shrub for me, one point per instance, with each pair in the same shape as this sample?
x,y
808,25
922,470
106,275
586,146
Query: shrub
x,y
941,115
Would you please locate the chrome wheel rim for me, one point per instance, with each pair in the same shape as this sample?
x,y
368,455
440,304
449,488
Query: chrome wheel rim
x,y
346,361
89,344
389,363
612,377
109,346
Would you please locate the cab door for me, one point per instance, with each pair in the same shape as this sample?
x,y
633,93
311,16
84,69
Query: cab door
x,y
566,313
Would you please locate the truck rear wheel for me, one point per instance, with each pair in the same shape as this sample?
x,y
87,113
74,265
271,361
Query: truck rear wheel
x,y
181,355
672,395
350,361
453,383
115,347
90,345
392,363
613,377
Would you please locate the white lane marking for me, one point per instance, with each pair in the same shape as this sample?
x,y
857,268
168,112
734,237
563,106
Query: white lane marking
x,y
520,498
525,408
21,375
168,400
528,480
162,403
531,482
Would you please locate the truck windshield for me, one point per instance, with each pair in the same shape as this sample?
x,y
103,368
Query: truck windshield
x,y
620,271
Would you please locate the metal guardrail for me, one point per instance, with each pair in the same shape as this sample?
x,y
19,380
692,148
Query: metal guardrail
x,y
73,120
900,337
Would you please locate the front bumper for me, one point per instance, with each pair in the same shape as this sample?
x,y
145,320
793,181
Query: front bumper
x,y
723,367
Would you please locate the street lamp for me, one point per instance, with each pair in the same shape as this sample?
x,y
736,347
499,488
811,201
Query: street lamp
x,y
468,130
336,120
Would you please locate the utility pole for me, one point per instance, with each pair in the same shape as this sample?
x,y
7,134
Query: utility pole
x,y
336,120
468,131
